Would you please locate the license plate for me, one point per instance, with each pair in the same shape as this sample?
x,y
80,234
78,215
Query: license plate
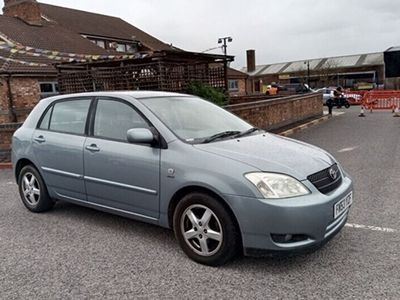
x,y
342,205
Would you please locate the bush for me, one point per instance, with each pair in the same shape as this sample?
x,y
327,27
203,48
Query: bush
x,y
209,93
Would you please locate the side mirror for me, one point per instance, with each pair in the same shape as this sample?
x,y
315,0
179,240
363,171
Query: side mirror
x,y
140,136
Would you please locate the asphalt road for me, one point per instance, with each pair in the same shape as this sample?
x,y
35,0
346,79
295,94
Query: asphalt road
x,y
78,253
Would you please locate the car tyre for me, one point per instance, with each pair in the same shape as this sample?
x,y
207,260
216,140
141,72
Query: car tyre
x,y
33,191
205,230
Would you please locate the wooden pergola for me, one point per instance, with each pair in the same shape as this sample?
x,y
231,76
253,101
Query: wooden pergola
x,y
164,70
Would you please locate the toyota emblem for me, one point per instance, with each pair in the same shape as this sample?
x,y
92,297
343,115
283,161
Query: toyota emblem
x,y
333,173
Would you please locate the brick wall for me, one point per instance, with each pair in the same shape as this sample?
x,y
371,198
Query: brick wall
x,y
6,133
4,118
274,113
239,99
241,88
25,94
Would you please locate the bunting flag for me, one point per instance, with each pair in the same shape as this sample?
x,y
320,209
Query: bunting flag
x,y
62,56
22,62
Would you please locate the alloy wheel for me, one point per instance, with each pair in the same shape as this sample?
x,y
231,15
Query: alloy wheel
x,y
30,189
201,230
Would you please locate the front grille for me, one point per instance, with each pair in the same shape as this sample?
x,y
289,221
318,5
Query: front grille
x,y
324,182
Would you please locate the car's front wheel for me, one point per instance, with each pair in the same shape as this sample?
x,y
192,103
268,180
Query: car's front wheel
x,y
33,191
205,230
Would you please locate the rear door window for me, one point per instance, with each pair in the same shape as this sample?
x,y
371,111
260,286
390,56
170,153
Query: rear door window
x,y
70,116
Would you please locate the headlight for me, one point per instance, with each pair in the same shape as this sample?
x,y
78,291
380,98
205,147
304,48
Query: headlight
x,y
276,186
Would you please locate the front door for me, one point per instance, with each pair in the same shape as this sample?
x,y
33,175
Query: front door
x,y
58,147
119,174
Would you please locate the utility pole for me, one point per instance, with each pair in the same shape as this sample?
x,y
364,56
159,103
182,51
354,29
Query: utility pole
x,y
224,41
308,72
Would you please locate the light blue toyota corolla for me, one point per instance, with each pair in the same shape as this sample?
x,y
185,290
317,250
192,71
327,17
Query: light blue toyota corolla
x,y
178,161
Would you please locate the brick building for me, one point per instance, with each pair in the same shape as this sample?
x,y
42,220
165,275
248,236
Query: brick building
x,y
351,71
36,37
25,78
237,82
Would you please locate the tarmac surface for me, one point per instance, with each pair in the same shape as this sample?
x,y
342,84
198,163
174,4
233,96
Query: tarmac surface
x,y
78,253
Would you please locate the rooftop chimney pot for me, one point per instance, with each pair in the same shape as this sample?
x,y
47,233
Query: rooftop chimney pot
x,y
251,60
26,10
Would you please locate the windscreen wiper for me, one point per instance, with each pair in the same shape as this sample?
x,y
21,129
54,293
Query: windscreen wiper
x,y
220,136
244,133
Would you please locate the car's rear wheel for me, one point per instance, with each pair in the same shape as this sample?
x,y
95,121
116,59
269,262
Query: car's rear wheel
x,y
33,191
205,230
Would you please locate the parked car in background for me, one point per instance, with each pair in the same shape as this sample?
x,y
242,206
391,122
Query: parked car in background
x,y
327,93
354,98
297,88
181,162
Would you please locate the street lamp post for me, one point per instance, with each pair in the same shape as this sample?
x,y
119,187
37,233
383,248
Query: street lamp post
x,y
224,41
308,72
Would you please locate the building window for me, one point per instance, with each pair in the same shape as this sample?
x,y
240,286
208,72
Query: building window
x,y
100,43
121,47
131,48
233,85
48,89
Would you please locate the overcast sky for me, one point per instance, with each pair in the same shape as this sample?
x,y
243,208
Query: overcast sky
x,y
279,31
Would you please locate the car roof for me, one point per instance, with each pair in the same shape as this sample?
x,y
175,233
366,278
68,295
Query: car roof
x,y
134,94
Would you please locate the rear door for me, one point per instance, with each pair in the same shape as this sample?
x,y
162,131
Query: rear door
x,y
58,147
118,174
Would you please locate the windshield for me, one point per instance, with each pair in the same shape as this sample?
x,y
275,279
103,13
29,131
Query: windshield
x,y
193,119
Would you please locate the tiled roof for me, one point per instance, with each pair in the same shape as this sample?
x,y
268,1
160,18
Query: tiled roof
x,y
233,73
50,36
84,22
17,68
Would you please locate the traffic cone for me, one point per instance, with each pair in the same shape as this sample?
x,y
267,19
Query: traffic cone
x,y
362,112
396,112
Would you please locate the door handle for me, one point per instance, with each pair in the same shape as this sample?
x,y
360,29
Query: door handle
x,y
93,148
40,139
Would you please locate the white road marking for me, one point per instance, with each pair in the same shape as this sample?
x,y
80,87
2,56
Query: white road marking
x,y
372,228
348,149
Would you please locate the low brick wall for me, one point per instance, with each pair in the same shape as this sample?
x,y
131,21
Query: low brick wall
x,y
6,133
275,113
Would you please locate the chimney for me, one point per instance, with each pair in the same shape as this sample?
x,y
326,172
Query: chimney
x,y
251,60
26,10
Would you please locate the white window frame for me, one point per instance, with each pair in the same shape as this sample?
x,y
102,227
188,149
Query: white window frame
x,y
54,91
233,85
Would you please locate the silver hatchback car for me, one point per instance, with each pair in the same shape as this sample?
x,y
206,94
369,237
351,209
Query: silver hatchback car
x,y
181,162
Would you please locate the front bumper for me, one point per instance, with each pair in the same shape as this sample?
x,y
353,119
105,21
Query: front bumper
x,y
309,217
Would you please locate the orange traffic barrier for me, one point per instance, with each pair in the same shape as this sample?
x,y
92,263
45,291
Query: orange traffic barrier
x,y
386,99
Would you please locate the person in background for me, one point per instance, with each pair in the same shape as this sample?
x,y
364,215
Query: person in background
x,y
337,96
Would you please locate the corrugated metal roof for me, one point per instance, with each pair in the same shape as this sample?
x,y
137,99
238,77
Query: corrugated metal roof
x,y
374,59
341,62
257,70
272,69
302,65
358,60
